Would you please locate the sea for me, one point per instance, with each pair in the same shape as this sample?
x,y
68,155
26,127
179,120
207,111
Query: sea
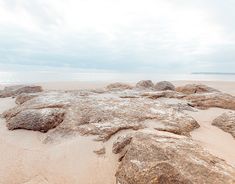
x,y
14,77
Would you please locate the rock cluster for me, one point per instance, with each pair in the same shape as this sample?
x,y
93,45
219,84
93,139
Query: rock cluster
x,y
158,147
98,114
12,91
226,122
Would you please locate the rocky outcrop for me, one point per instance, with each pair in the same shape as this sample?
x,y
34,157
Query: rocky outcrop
x,y
161,157
22,98
118,86
12,91
226,122
195,88
104,114
37,119
157,147
145,84
121,142
164,85
214,99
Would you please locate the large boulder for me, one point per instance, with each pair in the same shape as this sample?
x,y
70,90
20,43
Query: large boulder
x,y
19,89
195,88
226,122
166,158
145,84
164,85
212,99
37,119
118,86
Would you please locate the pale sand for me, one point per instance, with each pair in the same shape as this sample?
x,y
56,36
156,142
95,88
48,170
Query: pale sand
x,y
25,159
215,140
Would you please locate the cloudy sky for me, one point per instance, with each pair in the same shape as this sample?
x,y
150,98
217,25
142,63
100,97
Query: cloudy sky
x,y
118,35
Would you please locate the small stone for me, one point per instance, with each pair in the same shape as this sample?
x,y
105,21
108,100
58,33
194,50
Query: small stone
x,y
100,151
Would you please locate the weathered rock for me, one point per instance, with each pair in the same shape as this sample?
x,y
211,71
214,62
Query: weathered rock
x,y
195,88
22,98
105,114
158,157
118,86
215,99
121,142
37,119
226,122
19,89
165,94
164,85
145,84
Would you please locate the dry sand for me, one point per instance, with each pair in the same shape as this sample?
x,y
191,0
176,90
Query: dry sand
x,y
25,159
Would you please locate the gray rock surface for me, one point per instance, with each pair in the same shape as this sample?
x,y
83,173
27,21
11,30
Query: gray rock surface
x,y
195,88
158,157
164,85
13,91
118,86
37,119
145,84
226,122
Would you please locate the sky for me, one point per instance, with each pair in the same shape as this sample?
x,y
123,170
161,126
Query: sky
x,y
164,36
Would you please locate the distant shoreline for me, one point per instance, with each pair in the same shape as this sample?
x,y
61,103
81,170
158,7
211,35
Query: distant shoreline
x,y
211,73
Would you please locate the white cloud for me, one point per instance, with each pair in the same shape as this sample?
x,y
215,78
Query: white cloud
x,y
106,31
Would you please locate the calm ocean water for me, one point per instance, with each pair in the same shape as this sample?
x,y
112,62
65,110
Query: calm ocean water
x,y
32,77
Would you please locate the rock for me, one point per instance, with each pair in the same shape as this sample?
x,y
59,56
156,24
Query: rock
x,y
120,143
118,86
105,114
164,85
195,88
100,151
213,99
158,157
22,98
165,94
37,119
145,84
19,89
226,122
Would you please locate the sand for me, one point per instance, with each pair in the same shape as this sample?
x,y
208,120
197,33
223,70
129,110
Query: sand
x,y
215,140
25,159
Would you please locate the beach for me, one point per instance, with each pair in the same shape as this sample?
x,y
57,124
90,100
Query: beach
x,y
26,159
